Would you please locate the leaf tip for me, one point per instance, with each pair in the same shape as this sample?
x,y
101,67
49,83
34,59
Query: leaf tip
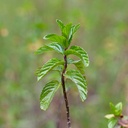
x,y
78,26
43,108
83,98
38,78
58,21
45,37
87,64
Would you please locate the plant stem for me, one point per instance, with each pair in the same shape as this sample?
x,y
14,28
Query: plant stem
x,y
64,92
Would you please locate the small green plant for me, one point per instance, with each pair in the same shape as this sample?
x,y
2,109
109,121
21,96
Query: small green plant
x,y
62,45
116,119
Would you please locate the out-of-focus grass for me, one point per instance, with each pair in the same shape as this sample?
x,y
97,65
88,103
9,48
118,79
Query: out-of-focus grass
x,y
103,34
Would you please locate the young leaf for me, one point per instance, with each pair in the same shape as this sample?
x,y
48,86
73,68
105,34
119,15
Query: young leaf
x,y
75,28
69,30
43,49
55,38
78,51
80,82
60,24
66,30
47,94
112,122
67,33
48,66
57,47
117,109
112,107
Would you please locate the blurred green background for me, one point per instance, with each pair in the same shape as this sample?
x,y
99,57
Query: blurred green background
x,y
103,34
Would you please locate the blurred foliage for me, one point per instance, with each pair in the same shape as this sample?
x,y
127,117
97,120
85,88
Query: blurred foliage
x,y
103,34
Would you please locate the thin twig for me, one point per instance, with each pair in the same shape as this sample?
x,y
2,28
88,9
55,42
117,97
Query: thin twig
x,y
64,92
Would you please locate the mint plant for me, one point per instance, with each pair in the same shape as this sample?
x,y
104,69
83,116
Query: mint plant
x,y
116,119
62,45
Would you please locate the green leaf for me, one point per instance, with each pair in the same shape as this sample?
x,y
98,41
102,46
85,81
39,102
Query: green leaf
x,y
80,66
60,24
112,122
80,82
67,32
49,47
75,28
48,66
48,93
78,51
71,61
55,38
43,49
78,63
59,68
70,36
117,109
112,107
57,47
